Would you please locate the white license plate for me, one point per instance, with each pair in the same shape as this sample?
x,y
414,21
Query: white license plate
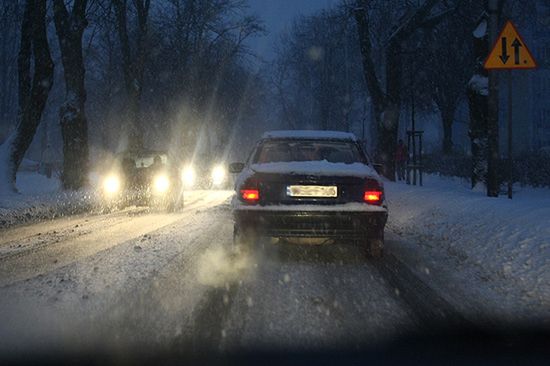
x,y
312,191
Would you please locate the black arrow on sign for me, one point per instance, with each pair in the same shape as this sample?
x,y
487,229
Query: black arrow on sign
x,y
516,44
504,57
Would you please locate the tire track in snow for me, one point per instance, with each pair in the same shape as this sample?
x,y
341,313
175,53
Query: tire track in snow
x,y
39,257
163,307
428,306
304,297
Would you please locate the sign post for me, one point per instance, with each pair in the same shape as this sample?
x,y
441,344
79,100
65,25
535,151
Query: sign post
x,y
510,145
509,53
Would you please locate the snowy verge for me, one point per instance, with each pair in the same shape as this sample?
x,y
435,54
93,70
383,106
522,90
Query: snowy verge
x,y
41,198
508,241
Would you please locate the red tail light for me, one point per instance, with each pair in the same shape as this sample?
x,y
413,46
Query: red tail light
x,y
250,195
373,197
374,192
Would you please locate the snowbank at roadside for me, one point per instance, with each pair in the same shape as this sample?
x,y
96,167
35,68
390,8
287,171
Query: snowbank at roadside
x,y
41,198
509,239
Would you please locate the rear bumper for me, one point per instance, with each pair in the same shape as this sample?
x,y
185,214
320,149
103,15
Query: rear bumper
x,y
331,224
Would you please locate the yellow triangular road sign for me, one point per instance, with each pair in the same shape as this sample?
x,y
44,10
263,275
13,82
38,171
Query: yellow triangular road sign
x,y
509,51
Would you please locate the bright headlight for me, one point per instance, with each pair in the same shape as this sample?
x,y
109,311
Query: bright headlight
x,y
218,175
161,183
188,176
111,184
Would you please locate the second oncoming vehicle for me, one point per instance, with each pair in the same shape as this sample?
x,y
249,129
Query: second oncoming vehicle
x,y
309,184
205,176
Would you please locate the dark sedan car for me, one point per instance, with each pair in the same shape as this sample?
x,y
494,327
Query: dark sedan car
x,y
309,184
143,177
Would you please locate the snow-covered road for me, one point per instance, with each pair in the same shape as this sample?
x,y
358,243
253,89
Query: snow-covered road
x,y
138,277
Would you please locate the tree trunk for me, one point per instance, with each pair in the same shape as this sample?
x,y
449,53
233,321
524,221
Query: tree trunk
x,y
74,127
373,84
477,93
9,23
133,65
478,136
388,131
33,92
387,105
493,186
447,116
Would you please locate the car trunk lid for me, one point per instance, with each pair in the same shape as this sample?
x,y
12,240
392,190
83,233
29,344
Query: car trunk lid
x,y
276,188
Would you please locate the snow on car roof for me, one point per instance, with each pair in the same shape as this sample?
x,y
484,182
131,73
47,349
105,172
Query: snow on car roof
x,y
310,134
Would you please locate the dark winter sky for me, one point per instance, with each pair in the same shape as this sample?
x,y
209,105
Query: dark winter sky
x,y
277,15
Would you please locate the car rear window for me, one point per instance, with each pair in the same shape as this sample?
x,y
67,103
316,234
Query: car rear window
x,y
308,150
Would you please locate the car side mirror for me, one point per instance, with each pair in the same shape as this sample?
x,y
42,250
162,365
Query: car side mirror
x,y
236,167
379,167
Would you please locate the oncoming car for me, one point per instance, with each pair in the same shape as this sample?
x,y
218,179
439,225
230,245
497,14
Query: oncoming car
x,y
205,176
309,184
143,177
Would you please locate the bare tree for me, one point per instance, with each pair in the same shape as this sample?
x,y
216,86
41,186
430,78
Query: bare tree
x,y
103,71
74,128
386,100
313,74
449,51
133,62
35,71
196,58
10,22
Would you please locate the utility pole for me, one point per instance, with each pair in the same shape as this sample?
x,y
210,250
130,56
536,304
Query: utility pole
x,y
493,186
